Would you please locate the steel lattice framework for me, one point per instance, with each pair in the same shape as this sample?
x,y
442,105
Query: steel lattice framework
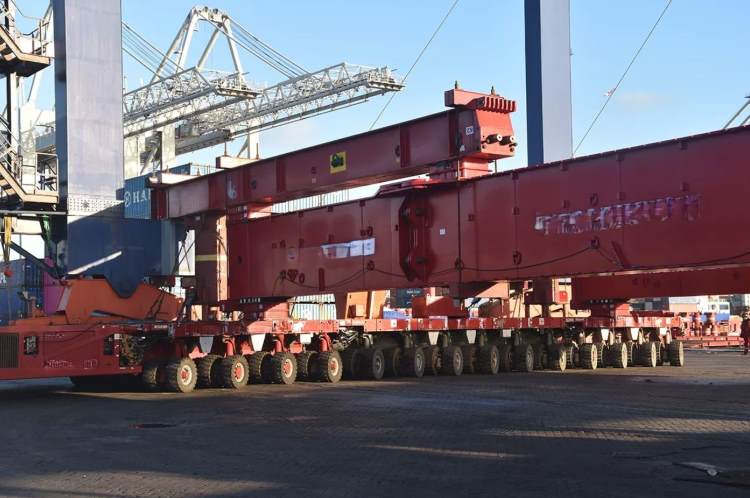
x,y
210,107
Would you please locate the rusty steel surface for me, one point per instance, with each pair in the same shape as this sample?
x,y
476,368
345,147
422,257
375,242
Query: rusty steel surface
x,y
614,433
633,210
406,149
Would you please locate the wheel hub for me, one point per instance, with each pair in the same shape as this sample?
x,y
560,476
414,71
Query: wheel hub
x,y
186,375
239,371
333,367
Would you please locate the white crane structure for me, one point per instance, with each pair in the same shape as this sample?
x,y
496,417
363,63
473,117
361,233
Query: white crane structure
x,y
183,109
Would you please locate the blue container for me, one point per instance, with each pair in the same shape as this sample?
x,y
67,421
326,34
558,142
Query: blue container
x,y
25,277
137,198
137,195
193,169
401,298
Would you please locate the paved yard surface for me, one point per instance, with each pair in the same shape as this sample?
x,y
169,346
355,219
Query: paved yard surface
x,y
614,433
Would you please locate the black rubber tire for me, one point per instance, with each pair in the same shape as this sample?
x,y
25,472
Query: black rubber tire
x,y
259,366
523,358
306,365
647,354
632,349
181,375
372,364
589,356
505,352
489,359
470,359
329,367
452,361
571,352
412,363
676,354
539,356
602,355
350,360
659,353
558,358
284,368
618,355
392,361
665,353
432,360
208,371
152,376
234,372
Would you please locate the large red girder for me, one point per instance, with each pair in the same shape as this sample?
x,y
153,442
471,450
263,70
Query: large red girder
x,y
476,131
671,205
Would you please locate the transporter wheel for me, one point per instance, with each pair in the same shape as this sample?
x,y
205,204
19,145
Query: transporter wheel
x,y
489,359
306,365
372,364
259,367
571,356
676,354
152,375
505,353
328,366
647,353
618,354
208,371
540,360
452,361
350,359
523,358
602,354
392,361
432,360
632,349
589,356
181,375
234,371
413,363
469,352
665,353
558,358
284,368
659,353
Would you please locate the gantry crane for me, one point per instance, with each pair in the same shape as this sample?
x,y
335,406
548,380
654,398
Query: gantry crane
x,y
194,107
204,107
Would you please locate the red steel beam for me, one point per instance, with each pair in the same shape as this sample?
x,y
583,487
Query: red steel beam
x,y
675,204
463,137
662,284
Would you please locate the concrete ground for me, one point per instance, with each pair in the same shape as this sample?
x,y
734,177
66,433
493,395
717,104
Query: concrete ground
x,y
614,433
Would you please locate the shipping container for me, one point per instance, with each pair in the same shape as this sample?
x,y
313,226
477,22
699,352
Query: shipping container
x,y
317,307
401,298
137,198
193,169
137,195
24,277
